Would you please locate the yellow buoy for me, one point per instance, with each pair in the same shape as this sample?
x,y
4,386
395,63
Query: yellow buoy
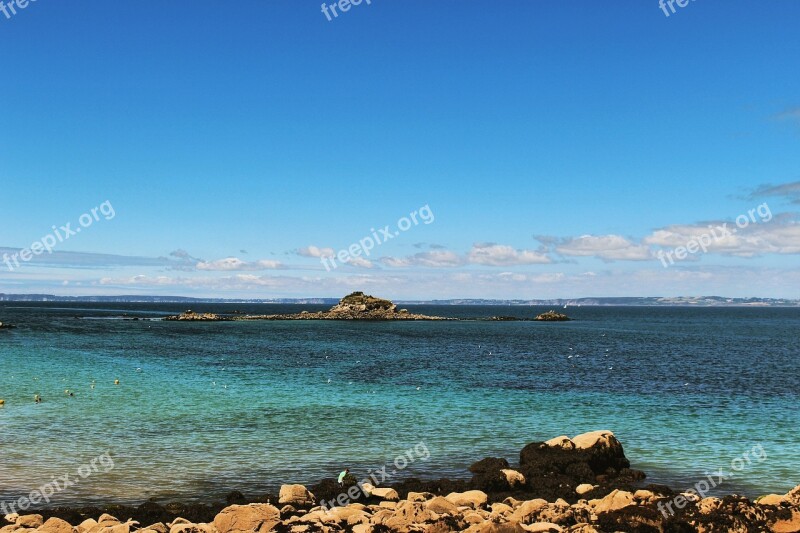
x,y
2,402
116,382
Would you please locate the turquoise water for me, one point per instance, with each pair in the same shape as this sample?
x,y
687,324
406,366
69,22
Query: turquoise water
x,y
205,408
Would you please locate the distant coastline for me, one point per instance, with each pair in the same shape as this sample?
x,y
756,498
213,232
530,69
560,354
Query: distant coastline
x,y
650,301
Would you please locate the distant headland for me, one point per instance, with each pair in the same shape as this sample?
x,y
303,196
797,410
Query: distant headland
x,y
654,301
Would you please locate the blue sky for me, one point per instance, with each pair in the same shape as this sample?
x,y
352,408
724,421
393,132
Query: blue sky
x,y
559,146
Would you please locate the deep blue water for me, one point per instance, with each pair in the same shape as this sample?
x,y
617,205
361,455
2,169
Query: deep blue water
x,y
205,408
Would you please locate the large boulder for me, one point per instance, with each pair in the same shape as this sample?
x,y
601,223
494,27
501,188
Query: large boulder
x,y
296,495
56,525
247,518
555,468
476,499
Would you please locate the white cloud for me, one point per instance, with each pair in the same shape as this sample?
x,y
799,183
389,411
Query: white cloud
x,y
234,263
431,259
360,262
606,247
779,236
491,254
314,251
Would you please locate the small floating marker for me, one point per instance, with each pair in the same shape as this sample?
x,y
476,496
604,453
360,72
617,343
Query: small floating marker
x,y
418,388
2,402
116,382
37,398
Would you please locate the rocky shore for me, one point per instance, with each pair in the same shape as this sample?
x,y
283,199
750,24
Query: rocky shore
x,y
581,485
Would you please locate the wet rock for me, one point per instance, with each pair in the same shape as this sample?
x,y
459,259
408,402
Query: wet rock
x,y
489,464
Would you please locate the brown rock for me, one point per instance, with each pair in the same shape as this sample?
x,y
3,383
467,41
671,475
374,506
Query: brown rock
x,y
596,439
192,528
116,528
501,509
107,520
708,505
380,517
246,518
543,527
471,498
616,500
419,496
644,495
794,496
514,478
385,494
296,495
89,523
495,527
56,525
563,442
789,525
441,505
583,528
772,499
408,513
30,520
528,511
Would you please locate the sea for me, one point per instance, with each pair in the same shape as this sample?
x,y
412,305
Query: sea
x,y
192,411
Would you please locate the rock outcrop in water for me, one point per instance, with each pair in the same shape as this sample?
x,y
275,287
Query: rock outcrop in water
x,y
192,316
552,316
579,485
355,306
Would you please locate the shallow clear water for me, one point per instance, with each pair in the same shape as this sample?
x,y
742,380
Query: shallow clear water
x,y
215,407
